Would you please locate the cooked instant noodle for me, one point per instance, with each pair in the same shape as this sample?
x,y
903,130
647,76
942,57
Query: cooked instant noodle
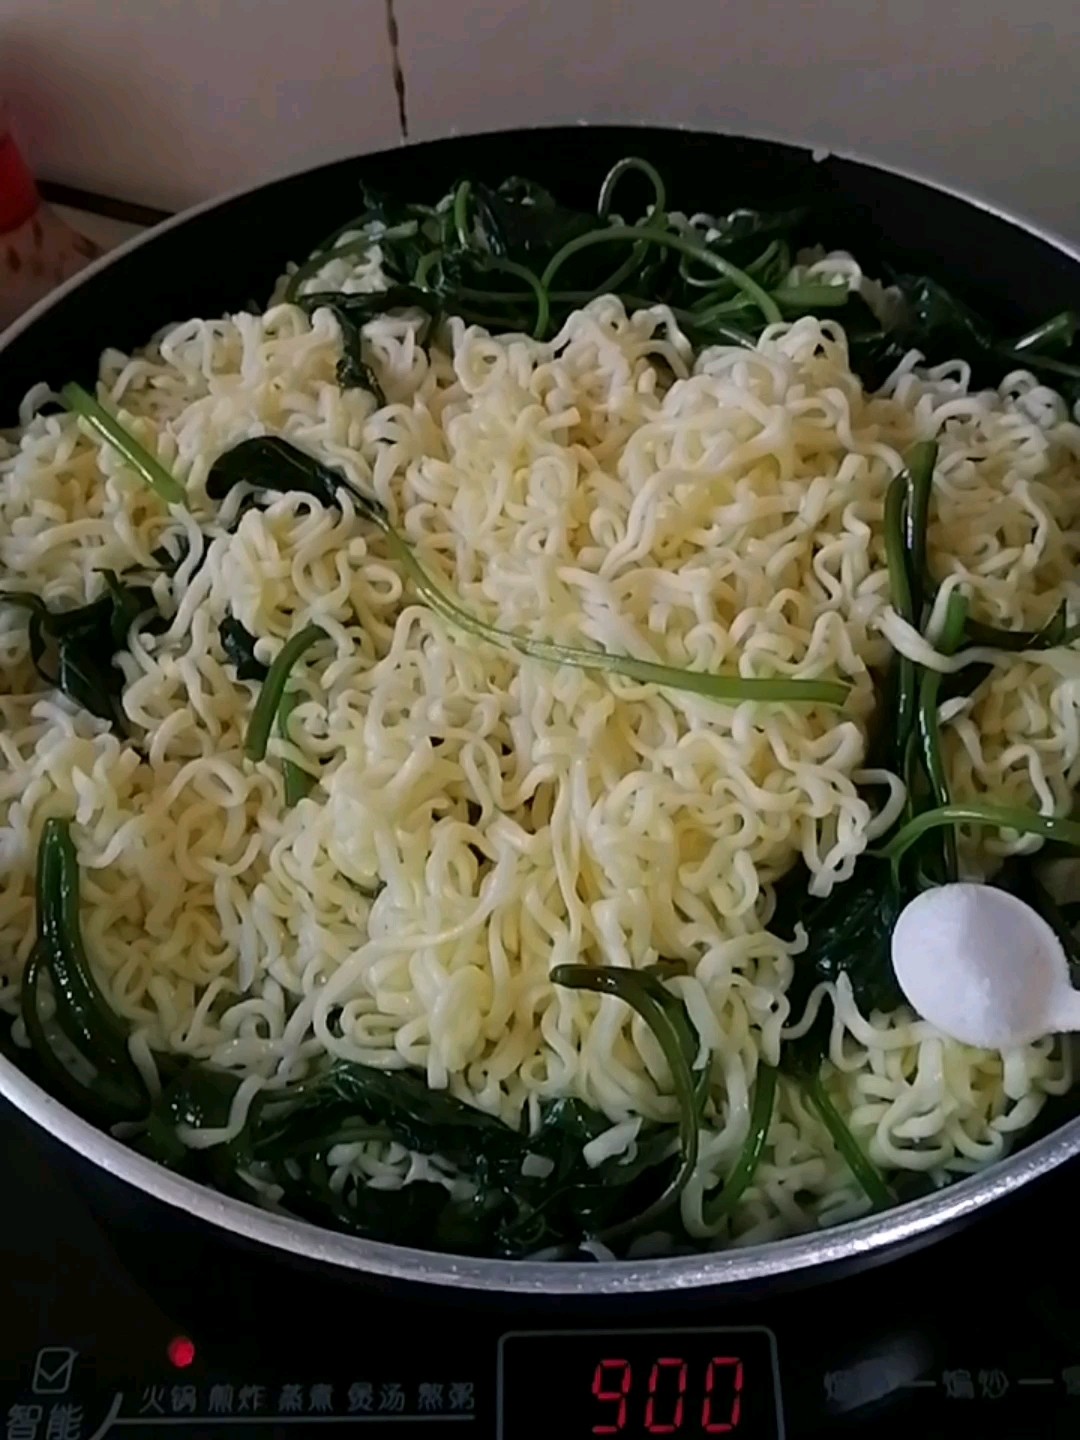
x,y
440,820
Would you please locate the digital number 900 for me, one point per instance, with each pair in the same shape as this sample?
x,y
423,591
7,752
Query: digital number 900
x,y
713,1401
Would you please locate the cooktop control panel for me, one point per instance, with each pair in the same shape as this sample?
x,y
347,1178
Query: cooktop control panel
x,y
403,1373
127,1319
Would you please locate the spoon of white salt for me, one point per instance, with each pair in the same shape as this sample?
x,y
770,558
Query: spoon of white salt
x,y
983,967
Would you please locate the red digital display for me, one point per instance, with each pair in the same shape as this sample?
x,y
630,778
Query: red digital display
x,y
633,1384
717,1393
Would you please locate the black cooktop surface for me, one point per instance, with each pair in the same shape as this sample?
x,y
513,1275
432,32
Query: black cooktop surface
x,y
124,1318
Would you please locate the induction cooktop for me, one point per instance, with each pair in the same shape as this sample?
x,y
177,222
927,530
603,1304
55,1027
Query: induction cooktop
x,y
124,1318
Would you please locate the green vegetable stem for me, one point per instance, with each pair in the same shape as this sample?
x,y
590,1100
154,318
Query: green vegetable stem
x,y
930,731
274,464
147,466
666,1017
270,696
718,1208
81,1012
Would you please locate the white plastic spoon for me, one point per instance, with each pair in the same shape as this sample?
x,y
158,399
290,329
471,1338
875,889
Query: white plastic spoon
x,y
983,967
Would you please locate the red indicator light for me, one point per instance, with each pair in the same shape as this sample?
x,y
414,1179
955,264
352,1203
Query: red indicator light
x,y
181,1352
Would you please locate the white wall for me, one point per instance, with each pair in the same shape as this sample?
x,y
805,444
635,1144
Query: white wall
x,y
169,100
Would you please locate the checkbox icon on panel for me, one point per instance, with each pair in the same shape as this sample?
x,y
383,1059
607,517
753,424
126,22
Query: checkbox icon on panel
x,y
53,1369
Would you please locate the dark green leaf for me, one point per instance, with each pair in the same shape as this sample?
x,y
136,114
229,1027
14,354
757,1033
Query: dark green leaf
x,y
89,1099
963,683
521,1211
239,646
416,1215
272,464
352,369
525,222
666,1017
164,558
88,680
74,649
428,1121
849,932
128,604
1054,632
941,322
82,1012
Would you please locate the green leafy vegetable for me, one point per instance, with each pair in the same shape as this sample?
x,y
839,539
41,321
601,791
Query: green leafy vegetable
x,y
849,932
352,369
1055,632
938,323
275,464
717,1208
239,646
357,309
903,602
1053,337
297,780
769,308
864,1171
199,1097
666,1017
919,467
803,1060
491,255
266,706
528,1190
514,1210
494,254
271,464
81,1096
522,221
731,688
74,650
994,817
933,311
147,466
930,731
82,1013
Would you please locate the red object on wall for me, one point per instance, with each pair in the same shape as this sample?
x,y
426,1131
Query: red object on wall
x,y
18,193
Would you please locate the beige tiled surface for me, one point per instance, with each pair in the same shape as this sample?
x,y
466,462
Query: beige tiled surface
x,y
100,228
170,101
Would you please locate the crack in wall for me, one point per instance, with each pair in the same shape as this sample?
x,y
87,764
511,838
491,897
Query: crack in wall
x,y
394,37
